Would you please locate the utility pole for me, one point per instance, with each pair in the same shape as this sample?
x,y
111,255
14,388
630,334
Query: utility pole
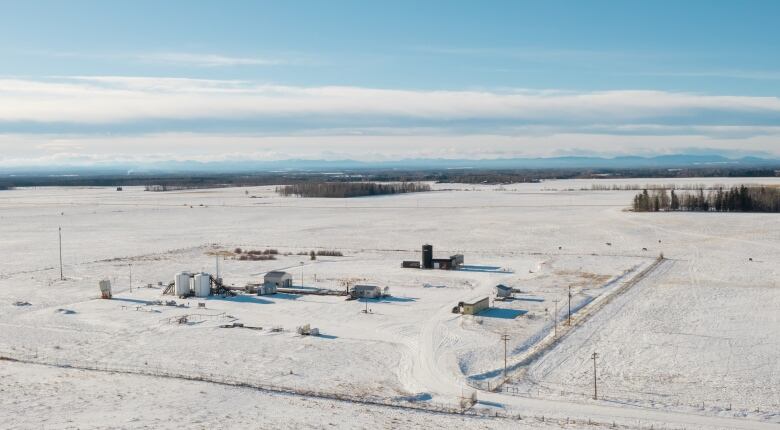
x,y
555,318
505,338
301,274
595,388
130,266
62,278
569,323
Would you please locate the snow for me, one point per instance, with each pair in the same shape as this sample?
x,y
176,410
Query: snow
x,y
701,328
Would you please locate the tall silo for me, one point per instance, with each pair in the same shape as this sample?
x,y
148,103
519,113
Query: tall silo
x,y
202,285
427,256
182,283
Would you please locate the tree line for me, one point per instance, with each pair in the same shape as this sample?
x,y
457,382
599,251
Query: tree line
x,y
350,189
735,199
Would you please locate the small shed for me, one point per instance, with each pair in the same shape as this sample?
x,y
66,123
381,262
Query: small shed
x,y
442,263
277,279
457,260
475,307
503,291
266,289
366,291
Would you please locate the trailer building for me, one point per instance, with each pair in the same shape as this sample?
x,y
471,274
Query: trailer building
x,y
503,291
475,307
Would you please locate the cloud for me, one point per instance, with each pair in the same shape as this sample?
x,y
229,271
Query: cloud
x,y
90,119
207,60
186,59
114,99
90,149
771,75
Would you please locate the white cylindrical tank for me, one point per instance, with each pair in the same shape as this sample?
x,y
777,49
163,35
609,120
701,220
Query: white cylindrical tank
x,y
105,289
182,283
202,285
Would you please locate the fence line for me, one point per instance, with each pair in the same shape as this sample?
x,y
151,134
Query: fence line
x,y
430,407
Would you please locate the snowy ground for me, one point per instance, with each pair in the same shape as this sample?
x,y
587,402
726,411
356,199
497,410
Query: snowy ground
x,y
701,329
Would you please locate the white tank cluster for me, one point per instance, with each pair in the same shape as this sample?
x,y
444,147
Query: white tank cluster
x,y
187,284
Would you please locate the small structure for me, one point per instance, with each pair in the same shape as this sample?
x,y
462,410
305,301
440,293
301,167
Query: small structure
x,y
503,291
308,330
410,264
105,289
277,279
266,289
366,292
457,260
474,307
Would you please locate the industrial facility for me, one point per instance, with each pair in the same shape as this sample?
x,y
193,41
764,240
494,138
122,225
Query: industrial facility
x,y
454,262
187,284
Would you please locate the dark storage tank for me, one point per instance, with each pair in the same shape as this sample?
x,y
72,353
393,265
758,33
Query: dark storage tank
x,y
427,256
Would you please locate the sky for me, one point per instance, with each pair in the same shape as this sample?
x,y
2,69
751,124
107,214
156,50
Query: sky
x,y
96,82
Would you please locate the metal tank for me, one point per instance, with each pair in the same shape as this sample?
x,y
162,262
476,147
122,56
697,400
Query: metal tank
x,y
105,289
202,285
427,256
182,283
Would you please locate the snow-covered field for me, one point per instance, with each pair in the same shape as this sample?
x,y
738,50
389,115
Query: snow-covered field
x,y
701,328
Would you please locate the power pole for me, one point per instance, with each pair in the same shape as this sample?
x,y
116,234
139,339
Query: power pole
x,y
130,266
569,323
62,278
595,388
301,274
555,318
505,338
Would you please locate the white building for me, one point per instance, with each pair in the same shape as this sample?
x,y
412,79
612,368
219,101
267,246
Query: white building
x,y
275,279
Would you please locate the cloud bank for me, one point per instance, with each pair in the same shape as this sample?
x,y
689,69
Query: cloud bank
x,y
97,117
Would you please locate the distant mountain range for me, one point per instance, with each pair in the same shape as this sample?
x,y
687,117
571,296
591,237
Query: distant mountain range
x,y
572,162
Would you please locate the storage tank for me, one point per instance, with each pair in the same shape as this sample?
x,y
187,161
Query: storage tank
x,y
182,284
202,285
105,289
427,256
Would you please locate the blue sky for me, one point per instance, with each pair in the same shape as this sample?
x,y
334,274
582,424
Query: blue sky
x,y
96,81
